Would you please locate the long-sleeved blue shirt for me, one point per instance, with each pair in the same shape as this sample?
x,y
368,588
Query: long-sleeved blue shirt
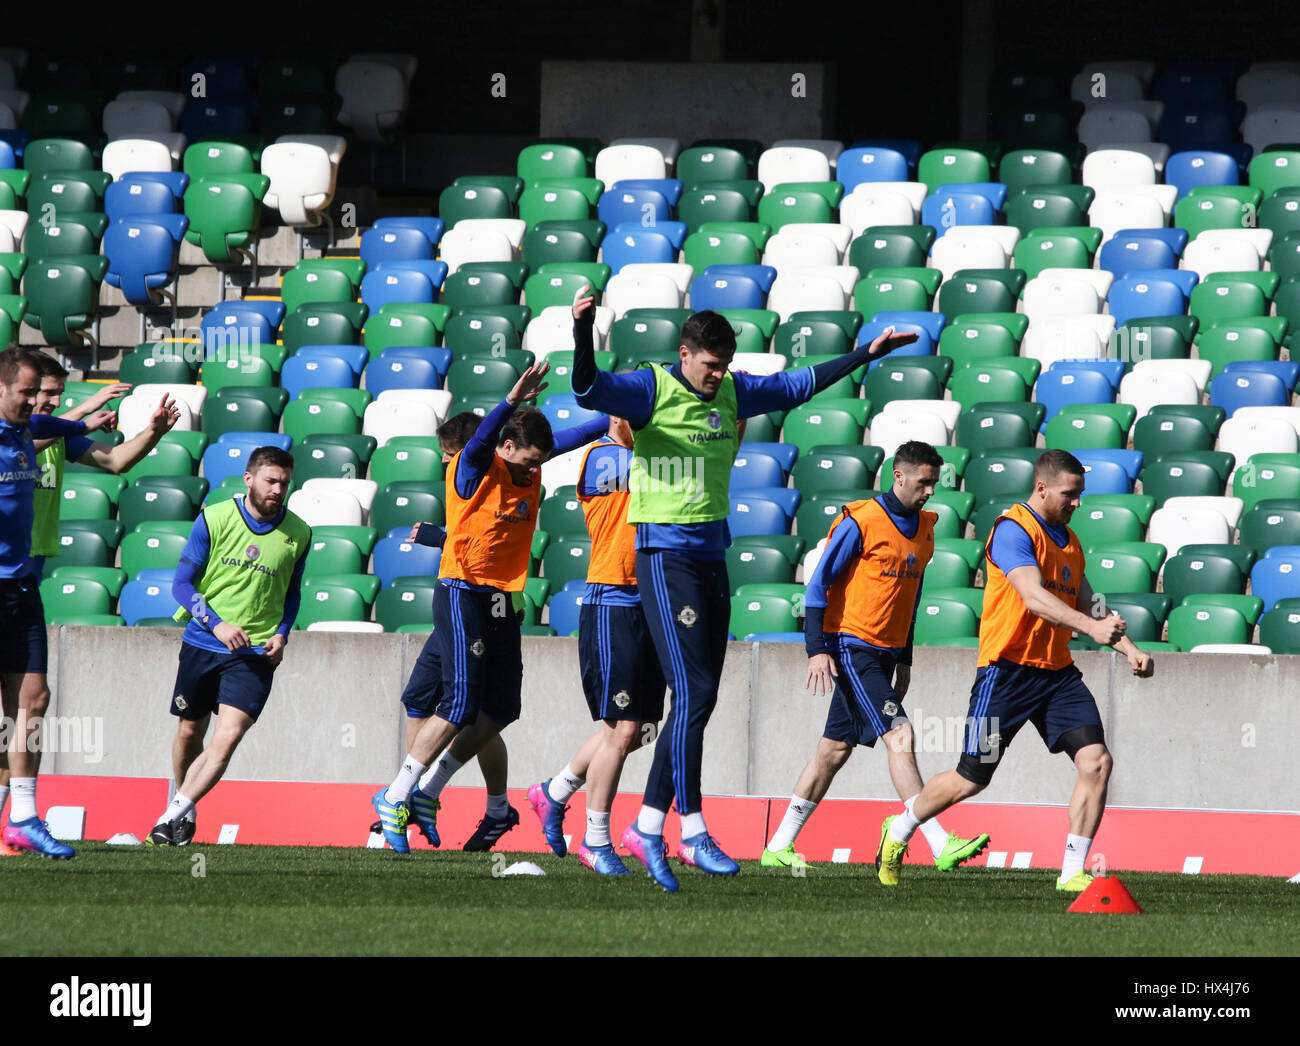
x,y
843,550
19,474
193,559
1013,547
631,396
606,472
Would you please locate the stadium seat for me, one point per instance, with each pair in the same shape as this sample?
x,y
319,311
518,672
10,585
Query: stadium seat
x,y
147,597
1197,624
1191,574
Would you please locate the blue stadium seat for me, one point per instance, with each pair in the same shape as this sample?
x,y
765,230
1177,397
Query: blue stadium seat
x,y
754,512
675,231
753,469
669,188
1102,476
945,210
1131,461
395,372
229,455
317,371
923,346
1286,371
994,192
909,148
725,292
1175,238
147,597
763,275
1060,386
142,254
1248,389
441,358
395,557
17,142
1277,575
566,606
774,637
355,356
563,412
396,285
131,197
270,311
395,243
7,159
1138,295
434,271
1203,125
1196,167
856,166
432,228
933,322
228,325
632,247
1123,254
214,119
1184,279
784,453
625,203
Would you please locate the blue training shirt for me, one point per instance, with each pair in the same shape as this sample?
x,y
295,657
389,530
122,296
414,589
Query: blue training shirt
x,y
606,472
1013,547
19,474
195,556
842,550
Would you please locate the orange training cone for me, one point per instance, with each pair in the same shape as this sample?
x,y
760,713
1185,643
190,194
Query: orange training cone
x,y
1106,896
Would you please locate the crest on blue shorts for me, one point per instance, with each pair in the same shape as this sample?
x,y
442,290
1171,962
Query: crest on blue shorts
x,y
622,699
687,617
477,648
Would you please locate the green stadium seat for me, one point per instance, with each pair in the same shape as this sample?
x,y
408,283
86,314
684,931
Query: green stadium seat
x,y
161,498
304,417
544,244
751,561
1096,524
110,577
703,249
994,426
1197,624
889,245
945,166
335,597
1110,570
981,381
566,559
156,544
561,514
1279,630
757,233
945,621
407,601
949,568
890,381
1192,474
759,612
1197,574
325,461
1143,613
81,546
225,212
402,504
403,325
787,206
878,292
1074,430
1267,476
307,286
999,474
1158,433
332,554
73,597
407,459
980,290
831,420
832,467
706,204
165,363
243,409
1211,302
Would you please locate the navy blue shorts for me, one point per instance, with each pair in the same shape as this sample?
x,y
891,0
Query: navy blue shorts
x,y
424,688
863,706
24,647
206,679
1006,696
621,676
482,663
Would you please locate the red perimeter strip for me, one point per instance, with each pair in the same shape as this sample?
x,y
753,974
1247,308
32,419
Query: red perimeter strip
x,y
305,814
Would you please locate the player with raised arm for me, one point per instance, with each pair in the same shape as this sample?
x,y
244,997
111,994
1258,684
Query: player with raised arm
x,y
621,677
1035,596
685,422
424,689
239,587
861,612
24,648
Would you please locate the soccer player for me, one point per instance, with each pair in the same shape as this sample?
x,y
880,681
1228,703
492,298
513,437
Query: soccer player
x,y
685,419
621,677
24,651
491,516
1035,595
424,689
238,586
861,611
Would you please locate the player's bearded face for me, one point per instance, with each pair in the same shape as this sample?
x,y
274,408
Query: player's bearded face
x,y
267,489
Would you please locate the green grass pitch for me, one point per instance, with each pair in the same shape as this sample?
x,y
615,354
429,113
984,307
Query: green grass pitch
x,y
286,901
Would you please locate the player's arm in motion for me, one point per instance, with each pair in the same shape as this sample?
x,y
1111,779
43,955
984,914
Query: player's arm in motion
x,y
1107,629
122,458
94,405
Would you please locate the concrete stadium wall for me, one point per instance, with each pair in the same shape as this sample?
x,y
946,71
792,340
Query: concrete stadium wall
x,y
687,100
1209,731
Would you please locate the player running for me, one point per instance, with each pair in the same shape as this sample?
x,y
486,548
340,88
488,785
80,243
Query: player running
x,y
861,612
686,423
239,587
24,649
1032,598
621,677
424,690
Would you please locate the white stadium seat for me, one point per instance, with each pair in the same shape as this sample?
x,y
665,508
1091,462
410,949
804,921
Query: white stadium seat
x,y
326,508
636,292
363,491
617,163
792,164
390,418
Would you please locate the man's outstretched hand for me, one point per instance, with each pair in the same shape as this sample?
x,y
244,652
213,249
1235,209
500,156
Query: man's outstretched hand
x,y
889,341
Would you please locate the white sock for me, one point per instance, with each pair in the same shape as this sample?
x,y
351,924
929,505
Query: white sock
x,y
787,831
23,791
497,806
192,815
597,829
564,784
904,826
931,829
436,777
4,797
405,781
178,809
651,821
693,825
1076,853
